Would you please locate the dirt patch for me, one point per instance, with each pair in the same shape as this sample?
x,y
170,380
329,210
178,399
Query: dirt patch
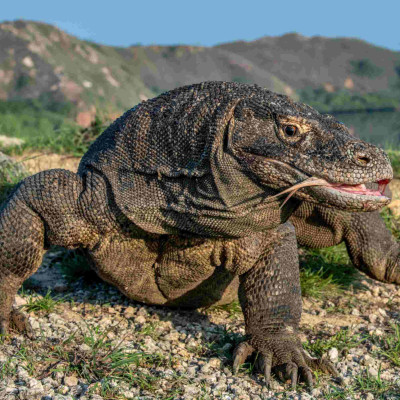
x,y
36,162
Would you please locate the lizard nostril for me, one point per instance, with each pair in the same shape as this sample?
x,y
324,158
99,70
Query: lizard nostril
x,y
362,159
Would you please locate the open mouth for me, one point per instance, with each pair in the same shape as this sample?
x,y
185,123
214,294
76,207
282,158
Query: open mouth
x,y
357,190
360,189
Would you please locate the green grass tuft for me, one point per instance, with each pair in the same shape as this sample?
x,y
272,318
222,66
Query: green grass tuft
x,y
326,271
389,345
104,361
46,130
10,174
343,341
46,303
233,309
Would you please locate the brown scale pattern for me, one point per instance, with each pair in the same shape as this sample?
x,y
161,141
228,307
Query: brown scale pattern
x,y
173,206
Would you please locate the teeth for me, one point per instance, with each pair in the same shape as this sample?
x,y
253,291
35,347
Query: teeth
x,y
382,187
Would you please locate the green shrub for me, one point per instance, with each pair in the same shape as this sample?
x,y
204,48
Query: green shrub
x,y
344,100
365,68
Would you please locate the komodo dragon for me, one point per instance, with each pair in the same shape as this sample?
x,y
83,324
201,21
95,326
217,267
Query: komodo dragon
x,y
198,194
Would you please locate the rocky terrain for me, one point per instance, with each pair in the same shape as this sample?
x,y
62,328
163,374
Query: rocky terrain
x,y
87,341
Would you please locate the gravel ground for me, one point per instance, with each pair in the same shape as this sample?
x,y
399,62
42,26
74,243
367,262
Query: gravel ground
x,y
90,342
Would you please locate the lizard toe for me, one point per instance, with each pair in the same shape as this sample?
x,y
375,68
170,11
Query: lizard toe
x,y
19,321
4,324
240,354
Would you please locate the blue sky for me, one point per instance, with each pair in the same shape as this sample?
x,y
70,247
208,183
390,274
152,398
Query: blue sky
x,y
207,22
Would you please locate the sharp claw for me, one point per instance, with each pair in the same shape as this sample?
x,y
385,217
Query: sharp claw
x,y
267,369
330,368
240,355
236,365
294,377
3,327
309,379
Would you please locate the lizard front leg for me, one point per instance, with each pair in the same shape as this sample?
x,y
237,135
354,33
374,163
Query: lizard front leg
x,y
371,246
270,297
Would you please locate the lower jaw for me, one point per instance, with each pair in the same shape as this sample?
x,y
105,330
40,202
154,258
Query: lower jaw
x,y
348,200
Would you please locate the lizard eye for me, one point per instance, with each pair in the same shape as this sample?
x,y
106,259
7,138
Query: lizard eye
x,y
290,134
290,130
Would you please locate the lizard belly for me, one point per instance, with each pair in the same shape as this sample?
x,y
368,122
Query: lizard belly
x,y
128,264
189,273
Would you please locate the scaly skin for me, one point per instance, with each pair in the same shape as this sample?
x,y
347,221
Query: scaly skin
x,y
176,204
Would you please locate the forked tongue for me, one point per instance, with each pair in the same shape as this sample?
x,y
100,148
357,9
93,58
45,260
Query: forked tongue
x,y
293,189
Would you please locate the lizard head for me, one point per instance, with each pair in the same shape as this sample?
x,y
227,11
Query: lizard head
x,y
293,149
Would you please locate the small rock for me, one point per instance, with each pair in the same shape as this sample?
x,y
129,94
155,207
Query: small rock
x,y
375,291
3,357
22,374
129,311
373,372
140,319
85,348
63,389
33,323
372,318
172,336
191,371
70,381
333,354
379,332
369,396
366,360
35,388
191,390
355,312
128,394
50,382
215,362
19,301
61,287
382,312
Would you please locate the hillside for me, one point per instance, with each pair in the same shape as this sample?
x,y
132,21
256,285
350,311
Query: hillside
x,y
71,76
317,61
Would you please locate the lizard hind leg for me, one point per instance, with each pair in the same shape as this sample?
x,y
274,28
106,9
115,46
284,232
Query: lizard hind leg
x,y
21,250
43,210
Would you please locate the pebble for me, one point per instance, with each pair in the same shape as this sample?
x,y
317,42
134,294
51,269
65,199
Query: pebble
x,y
70,381
333,354
140,319
372,318
60,287
129,312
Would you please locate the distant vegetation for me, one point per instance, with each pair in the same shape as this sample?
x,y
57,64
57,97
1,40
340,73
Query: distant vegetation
x,y
344,100
366,68
46,125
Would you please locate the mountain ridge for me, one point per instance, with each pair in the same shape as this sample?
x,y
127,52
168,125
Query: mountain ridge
x,y
41,61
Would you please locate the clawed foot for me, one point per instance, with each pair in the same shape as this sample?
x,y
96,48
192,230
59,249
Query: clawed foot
x,y
285,355
18,321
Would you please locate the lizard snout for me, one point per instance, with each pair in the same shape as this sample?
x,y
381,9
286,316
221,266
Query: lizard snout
x,y
363,154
